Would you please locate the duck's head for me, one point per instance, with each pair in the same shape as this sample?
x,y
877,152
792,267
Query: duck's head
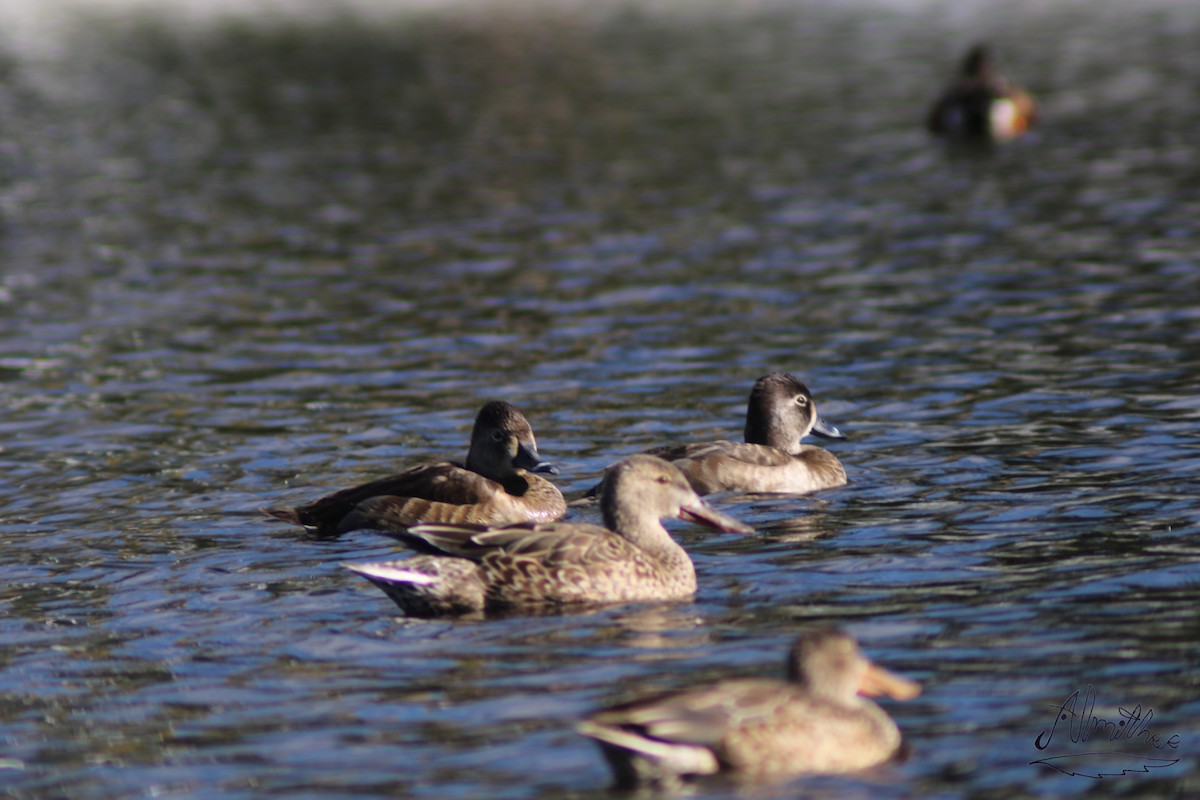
x,y
977,63
828,662
643,486
782,411
502,442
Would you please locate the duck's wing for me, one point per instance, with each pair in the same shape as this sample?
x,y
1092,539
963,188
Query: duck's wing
x,y
962,110
704,716
756,454
727,466
463,498
444,483
548,543
683,455
679,452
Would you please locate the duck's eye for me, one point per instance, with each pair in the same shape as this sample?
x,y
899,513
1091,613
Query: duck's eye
x,y
663,479
801,400
498,436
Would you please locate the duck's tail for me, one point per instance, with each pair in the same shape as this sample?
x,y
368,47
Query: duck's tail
x,y
642,761
428,586
286,514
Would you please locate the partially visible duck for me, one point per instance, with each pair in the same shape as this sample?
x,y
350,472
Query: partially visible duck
x,y
760,728
981,104
780,413
495,485
547,566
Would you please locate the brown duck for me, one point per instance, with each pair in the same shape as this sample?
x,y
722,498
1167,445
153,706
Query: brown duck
x,y
981,104
760,728
780,413
536,567
495,485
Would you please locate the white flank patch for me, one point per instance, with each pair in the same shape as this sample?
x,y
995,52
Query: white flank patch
x,y
1004,116
390,571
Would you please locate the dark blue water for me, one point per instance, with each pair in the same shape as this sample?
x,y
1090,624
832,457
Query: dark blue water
x,y
249,259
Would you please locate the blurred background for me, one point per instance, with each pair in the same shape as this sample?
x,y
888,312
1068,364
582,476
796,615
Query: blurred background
x,y
254,252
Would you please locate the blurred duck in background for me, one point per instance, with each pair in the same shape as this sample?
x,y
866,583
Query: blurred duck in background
x,y
981,104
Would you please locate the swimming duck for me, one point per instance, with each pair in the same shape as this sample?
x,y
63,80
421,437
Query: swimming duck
x,y
495,485
760,728
780,413
545,566
981,104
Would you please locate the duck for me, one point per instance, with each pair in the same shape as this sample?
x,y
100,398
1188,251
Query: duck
x,y
496,484
780,413
760,729
546,567
981,104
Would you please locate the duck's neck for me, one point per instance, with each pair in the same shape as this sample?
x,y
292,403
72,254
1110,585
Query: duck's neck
x,y
839,696
648,534
831,686
771,431
515,481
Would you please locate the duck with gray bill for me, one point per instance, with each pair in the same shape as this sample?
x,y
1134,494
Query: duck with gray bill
x,y
780,413
540,567
496,484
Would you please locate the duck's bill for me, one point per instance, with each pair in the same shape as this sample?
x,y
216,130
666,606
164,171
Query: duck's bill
x,y
823,428
528,459
710,517
879,681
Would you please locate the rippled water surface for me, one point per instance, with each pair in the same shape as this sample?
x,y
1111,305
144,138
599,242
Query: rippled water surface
x,y
251,257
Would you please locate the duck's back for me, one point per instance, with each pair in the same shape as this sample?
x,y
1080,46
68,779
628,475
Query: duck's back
x,y
755,727
964,111
725,466
547,564
462,497
803,734
440,492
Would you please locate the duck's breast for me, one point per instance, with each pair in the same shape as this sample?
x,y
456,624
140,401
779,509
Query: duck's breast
x,y
811,736
541,501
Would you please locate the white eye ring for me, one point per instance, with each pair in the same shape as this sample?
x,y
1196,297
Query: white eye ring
x,y
801,400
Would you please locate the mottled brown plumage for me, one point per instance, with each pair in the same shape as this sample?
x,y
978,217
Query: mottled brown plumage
x,y
759,728
779,414
538,567
495,485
